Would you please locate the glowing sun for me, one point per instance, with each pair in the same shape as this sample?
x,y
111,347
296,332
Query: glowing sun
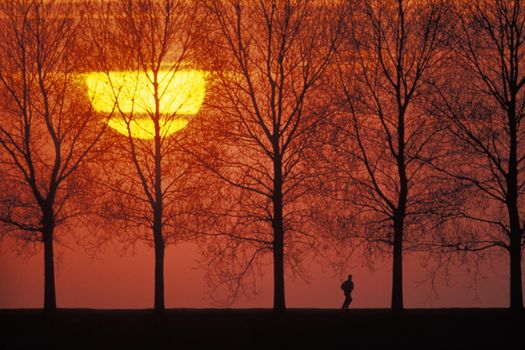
x,y
131,95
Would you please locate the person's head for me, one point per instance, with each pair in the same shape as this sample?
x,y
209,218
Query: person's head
x,y
349,277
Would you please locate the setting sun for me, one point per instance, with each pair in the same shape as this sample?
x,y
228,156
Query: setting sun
x,y
131,93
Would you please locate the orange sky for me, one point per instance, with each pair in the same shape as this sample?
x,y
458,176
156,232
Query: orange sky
x,y
112,281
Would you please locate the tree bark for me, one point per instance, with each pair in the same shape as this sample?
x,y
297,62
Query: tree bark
x,y
159,268
397,265
516,293
278,241
158,208
49,264
399,214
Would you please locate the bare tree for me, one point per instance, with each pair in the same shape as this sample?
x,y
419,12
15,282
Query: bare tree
x,y
482,103
148,74
47,128
383,129
266,59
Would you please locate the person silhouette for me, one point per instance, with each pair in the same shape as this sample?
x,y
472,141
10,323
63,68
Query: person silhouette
x,y
347,287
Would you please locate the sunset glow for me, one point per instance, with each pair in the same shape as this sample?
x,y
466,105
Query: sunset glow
x,y
131,94
262,174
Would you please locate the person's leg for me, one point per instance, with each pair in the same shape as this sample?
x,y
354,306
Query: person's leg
x,y
346,303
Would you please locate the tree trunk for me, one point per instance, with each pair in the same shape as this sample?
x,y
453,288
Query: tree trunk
x,y
399,214
278,240
158,239
158,206
516,291
49,269
278,271
397,265
159,269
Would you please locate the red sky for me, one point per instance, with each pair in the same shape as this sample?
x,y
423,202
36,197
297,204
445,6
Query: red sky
x,y
114,281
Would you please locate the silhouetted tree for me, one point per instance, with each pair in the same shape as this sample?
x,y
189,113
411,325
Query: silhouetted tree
x,y
266,59
147,71
382,133
47,128
483,105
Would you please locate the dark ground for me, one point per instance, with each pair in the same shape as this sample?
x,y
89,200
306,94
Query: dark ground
x,y
446,329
